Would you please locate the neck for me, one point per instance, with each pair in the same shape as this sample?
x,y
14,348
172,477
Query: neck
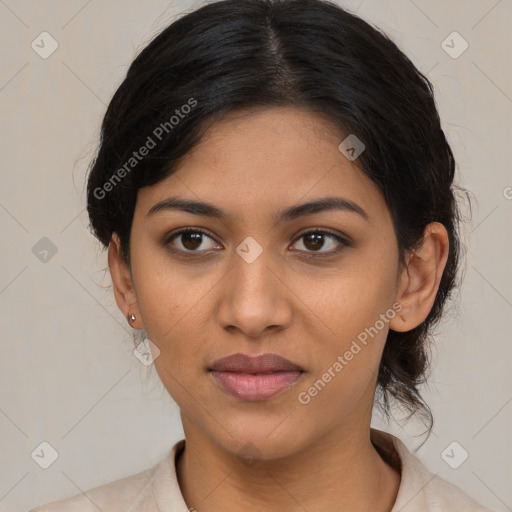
x,y
327,475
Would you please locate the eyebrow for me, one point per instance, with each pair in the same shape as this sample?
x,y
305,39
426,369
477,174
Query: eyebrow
x,y
285,215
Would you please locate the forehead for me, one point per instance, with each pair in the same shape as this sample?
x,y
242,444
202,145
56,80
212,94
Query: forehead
x,y
253,162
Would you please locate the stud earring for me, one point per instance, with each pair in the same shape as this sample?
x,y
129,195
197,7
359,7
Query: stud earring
x,y
131,318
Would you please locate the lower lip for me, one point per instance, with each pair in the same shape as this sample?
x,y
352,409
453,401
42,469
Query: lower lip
x,y
254,387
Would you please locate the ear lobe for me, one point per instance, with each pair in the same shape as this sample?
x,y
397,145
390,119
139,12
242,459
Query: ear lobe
x,y
124,290
420,280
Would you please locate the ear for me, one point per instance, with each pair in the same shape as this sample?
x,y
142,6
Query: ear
x,y
420,279
124,290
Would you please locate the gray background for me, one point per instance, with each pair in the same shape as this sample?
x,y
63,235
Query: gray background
x,y
68,375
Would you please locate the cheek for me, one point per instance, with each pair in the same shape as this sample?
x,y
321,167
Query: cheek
x,y
356,307
165,290
359,294
170,304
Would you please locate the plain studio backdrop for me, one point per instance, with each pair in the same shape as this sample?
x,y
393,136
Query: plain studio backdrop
x,y
68,374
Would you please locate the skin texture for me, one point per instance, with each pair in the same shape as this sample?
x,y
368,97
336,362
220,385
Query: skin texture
x,y
316,456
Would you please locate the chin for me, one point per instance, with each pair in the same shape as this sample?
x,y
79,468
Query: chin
x,y
269,441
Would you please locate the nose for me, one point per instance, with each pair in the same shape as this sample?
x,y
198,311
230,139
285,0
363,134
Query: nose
x,y
254,297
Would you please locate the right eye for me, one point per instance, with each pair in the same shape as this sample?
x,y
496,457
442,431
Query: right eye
x,y
191,239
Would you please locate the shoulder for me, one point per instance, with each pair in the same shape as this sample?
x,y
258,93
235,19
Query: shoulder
x,y
114,496
134,493
421,490
444,496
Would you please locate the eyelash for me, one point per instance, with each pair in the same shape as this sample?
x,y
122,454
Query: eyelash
x,y
311,254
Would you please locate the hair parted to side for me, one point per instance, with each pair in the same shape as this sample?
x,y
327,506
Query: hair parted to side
x,y
242,54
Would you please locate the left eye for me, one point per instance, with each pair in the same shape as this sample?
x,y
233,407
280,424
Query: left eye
x,y
192,239
315,240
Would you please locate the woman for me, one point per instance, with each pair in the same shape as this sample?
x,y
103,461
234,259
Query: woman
x,y
276,195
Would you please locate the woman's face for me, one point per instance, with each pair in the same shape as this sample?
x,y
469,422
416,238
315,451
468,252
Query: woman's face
x,y
251,283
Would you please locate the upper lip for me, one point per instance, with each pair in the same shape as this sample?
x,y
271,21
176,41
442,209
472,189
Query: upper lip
x,y
263,363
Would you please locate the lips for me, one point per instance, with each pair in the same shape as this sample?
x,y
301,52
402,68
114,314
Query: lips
x,y
255,378
264,363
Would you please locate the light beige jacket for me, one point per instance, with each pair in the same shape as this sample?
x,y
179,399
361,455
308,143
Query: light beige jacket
x,y
157,490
